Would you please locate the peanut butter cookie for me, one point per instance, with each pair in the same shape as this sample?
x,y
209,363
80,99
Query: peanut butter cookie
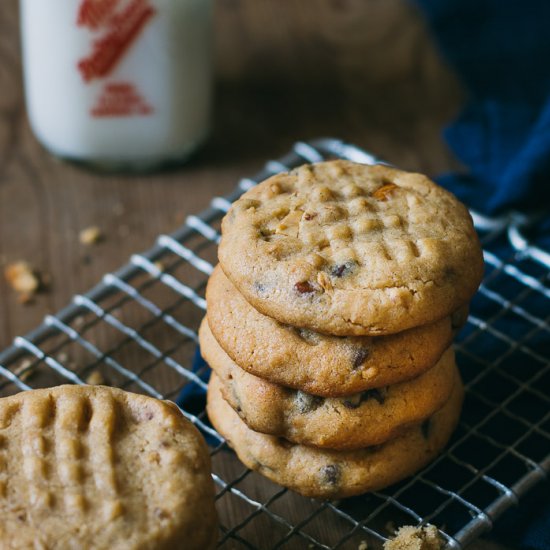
x,y
360,420
350,249
328,474
99,468
315,363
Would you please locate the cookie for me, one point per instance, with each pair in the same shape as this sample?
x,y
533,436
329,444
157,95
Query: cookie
x,y
367,418
329,366
328,474
349,249
99,468
411,537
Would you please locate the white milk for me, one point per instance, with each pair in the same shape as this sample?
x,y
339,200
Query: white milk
x,y
118,82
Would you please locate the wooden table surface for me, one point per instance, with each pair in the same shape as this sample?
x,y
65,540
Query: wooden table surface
x,y
364,71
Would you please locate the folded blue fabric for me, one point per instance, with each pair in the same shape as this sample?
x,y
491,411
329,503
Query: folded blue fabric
x,y
192,396
500,49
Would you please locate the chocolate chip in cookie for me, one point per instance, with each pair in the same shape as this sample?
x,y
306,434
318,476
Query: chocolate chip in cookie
x,y
306,402
343,269
355,401
331,474
359,357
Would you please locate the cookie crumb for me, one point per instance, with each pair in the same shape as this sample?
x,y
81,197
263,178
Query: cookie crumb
x,y
23,279
79,321
363,545
25,370
95,378
25,299
90,235
415,538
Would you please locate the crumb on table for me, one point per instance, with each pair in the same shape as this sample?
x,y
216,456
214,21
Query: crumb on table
x,y
415,538
90,235
23,279
95,378
25,370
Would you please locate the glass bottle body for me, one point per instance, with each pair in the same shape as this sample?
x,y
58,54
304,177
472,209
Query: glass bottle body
x,y
118,83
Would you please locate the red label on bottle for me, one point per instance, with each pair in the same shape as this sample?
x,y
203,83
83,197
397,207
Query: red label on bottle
x,y
115,24
120,99
94,13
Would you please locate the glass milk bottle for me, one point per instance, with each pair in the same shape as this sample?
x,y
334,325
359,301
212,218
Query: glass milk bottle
x,y
119,84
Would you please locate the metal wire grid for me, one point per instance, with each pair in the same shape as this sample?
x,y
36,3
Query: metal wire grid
x,y
137,329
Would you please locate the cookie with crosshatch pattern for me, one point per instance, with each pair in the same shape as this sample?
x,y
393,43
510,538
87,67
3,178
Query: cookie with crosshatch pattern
x,y
350,249
330,474
352,422
100,468
319,364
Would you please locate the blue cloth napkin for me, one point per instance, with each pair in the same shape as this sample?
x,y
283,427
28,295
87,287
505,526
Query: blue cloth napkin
x,y
192,396
500,49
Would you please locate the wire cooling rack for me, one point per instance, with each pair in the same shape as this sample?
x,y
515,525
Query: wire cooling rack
x,y
137,330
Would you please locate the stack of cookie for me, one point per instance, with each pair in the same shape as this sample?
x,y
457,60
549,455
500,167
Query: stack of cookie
x,y
330,320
